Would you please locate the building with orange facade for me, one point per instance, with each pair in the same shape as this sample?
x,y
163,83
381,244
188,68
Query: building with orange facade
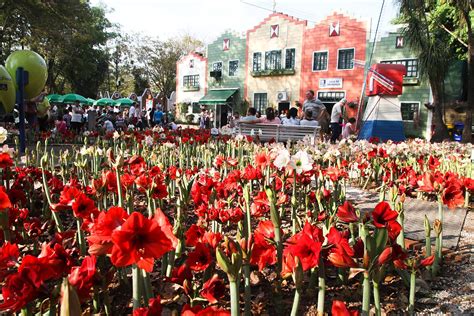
x,y
329,51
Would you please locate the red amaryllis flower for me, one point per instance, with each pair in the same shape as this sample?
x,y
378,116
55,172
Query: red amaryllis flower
x,y
393,228
18,291
306,245
383,214
469,184
137,165
263,252
427,261
5,161
82,277
199,311
139,240
213,289
100,240
262,160
394,252
347,213
252,173
83,206
194,235
200,258
339,309
453,195
341,252
4,199
166,227
57,260
9,254
154,308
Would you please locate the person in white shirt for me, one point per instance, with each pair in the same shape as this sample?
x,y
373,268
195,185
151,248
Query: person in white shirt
x,y
308,119
132,114
291,117
76,118
336,120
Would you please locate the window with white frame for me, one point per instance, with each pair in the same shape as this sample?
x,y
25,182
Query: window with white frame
x,y
260,101
233,67
217,66
409,110
191,81
320,61
273,60
345,58
257,61
290,55
410,64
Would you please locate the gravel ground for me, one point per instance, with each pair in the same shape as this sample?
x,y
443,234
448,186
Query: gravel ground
x,y
452,293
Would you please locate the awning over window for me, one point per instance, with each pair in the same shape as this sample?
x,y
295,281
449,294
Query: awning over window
x,y
220,96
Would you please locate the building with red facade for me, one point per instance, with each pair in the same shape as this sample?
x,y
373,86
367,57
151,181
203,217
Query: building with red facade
x,y
329,51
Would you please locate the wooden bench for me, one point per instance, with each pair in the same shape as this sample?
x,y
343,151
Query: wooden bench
x,y
279,133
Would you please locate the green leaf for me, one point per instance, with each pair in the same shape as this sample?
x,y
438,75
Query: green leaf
x,y
381,238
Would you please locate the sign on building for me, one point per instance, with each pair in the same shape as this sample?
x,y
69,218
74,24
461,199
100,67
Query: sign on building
x,y
226,44
274,31
334,29
330,83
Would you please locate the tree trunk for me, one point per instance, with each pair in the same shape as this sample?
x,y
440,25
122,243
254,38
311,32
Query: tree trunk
x,y
467,132
440,129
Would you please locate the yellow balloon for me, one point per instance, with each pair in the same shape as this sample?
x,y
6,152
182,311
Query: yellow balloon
x,y
36,67
7,90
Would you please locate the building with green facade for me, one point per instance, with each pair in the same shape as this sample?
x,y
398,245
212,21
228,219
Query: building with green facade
x,y
417,119
392,49
226,76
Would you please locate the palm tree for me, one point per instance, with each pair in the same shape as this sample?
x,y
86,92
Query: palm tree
x,y
426,38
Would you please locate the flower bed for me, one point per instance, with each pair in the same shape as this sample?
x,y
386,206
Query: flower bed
x,y
182,221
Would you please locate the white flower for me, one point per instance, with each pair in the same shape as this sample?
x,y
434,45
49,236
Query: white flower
x,y
169,145
8,150
239,137
301,162
3,135
131,127
86,133
252,132
116,135
260,133
282,159
148,141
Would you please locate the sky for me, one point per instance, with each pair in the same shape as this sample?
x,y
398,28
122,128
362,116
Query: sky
x,y
207,19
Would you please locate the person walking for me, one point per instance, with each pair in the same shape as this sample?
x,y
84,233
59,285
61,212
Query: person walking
x,y
336,120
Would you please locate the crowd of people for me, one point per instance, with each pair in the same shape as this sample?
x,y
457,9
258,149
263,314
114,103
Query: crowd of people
x,y
341,122
78,118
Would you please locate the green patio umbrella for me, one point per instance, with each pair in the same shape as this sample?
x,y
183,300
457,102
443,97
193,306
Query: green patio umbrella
x,y
55,98
90,101
124,102
72,98
104,102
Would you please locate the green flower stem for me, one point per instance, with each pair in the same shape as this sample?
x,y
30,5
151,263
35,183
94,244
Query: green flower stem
x,y
80,237
411,306
322,287
296,303
439,248
57,220
148,289
275,218
119,187
96,301
366,294
234,298
400,220
294,206
247,290
137,287
377,298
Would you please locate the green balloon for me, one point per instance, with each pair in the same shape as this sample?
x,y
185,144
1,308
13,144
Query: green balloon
x,y
36,67
7,90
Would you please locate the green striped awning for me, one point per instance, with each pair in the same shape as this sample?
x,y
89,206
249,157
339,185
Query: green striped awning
x,y
220,96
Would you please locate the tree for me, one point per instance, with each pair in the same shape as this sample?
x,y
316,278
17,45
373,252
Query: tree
x,y
159,60
69,34
428,39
